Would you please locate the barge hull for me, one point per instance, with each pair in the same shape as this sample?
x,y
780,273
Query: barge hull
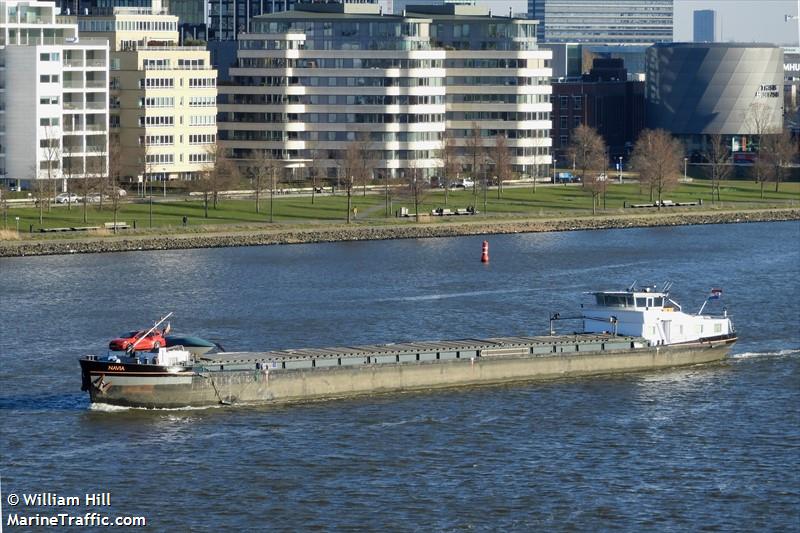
x,y
260,384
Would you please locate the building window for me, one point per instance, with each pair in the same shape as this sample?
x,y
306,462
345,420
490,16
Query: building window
x,y
202,120
158,120
562,122
576,121
202,82
563,141
563,101
157,83
578,102
207,138
164,159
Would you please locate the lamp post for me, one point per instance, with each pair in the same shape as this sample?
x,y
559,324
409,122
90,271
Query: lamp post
x,y
685,163
554,170
620,168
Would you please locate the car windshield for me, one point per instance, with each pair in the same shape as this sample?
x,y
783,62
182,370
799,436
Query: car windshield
x,y
131,334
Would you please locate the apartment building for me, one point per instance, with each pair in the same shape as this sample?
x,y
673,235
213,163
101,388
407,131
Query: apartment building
x,y
163,97
311,81
53,97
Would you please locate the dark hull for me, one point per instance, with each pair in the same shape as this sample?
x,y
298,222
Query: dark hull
x,y
255,378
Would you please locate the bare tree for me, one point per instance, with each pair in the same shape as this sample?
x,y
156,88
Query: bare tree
x,y
759,122
475,150
588,150
259,173
353,167
51,153
450,162
315,171
779,149
502,162
367,173
218,173
41,193
68,167
274,178
718,157
657,156
417,186
114,175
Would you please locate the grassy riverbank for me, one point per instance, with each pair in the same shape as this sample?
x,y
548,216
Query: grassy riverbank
x,y
298,210
297,220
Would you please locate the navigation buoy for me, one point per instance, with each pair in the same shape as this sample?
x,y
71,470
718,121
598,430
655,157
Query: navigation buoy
x,y
485,252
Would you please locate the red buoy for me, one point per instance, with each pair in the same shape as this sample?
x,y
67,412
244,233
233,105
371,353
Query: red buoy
x,y
485,252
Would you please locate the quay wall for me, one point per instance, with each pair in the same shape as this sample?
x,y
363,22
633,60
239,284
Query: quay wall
x,y
361,231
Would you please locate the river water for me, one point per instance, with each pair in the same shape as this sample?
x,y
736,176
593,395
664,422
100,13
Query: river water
x,y
712,447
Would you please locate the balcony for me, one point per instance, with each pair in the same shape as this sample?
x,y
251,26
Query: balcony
x,y
96,127
73,62
96,62
73,105
95,105
96,84
73,84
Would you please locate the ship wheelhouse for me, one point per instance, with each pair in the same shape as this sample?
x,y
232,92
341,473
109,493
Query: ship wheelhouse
x,y
649,313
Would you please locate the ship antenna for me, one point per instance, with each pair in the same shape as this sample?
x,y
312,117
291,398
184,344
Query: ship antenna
x,y
667,287
633,286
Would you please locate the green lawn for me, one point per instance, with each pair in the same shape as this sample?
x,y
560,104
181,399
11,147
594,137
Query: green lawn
x,y
558,200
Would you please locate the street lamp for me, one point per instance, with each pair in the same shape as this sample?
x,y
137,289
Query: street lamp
x,y
620,168
554,170
685,163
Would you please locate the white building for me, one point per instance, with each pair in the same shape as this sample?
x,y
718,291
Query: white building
x,y
310,81
53,96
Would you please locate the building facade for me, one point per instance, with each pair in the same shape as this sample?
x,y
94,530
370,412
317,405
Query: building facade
x,y
604,100
694,90
53,97
311,81
603,21
163,96
703,28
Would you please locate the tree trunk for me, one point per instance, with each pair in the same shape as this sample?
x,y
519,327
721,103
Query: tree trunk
x,y
762,189
349,203
205,203
272,204
446,190
258,196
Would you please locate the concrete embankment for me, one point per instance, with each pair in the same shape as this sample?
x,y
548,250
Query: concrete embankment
x,y
361,231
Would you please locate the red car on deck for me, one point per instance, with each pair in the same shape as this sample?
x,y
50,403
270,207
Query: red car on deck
x,y
153,341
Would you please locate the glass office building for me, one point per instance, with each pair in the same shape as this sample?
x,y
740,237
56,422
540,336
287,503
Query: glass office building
x,y
603,21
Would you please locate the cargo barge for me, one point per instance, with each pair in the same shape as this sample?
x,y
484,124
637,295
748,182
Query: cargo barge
x,y
630,330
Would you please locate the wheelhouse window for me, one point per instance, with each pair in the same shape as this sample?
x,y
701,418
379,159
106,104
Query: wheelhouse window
x,y
614,300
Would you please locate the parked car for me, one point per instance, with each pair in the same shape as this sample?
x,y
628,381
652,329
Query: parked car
x,y
567,177
95,198
153,341
67,197
463,183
